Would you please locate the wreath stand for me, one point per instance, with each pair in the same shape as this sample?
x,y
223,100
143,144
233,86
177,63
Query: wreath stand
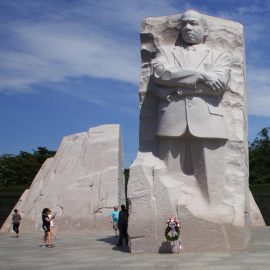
x,y
172,234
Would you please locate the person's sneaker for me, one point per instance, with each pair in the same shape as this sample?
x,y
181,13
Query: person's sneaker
x,y
43,245
56,237
50,246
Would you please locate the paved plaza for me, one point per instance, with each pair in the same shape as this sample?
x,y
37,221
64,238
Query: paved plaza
x,y
97,250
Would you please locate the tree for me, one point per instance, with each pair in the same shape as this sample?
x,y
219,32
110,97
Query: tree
x,y
22,168
42,153
259,158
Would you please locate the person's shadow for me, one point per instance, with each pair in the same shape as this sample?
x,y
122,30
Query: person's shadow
x,y
113,240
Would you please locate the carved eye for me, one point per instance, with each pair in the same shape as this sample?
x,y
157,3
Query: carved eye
x,y
194,23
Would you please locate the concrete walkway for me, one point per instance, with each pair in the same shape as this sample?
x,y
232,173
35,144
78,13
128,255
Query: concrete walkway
x,y
96,250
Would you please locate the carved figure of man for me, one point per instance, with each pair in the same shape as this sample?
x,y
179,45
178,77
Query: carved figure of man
x,y
190,81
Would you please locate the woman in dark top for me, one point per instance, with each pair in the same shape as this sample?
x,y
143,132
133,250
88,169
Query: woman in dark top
x,y
46,227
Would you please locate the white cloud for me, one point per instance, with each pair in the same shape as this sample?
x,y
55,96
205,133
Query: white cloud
x,y
126,15
100,39
259,91
86,38
52,53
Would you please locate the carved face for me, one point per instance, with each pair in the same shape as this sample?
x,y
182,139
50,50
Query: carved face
x,y
193,28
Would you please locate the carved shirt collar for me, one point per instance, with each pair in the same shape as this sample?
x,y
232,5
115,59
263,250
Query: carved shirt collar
x,y
197,47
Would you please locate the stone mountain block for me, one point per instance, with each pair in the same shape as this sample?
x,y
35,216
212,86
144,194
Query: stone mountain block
x,y
82,183
206,190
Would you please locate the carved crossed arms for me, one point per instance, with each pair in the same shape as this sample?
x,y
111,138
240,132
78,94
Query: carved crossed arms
x,y
182,82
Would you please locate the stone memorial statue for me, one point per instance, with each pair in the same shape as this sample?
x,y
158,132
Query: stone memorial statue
x,y
192,162
191,79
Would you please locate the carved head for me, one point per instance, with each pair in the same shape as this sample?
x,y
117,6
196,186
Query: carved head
x,y
193,27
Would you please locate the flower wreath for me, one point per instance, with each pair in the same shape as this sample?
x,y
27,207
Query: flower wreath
x,y
172,229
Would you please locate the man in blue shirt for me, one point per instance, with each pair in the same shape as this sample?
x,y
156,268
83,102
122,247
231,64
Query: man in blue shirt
x,y
115,218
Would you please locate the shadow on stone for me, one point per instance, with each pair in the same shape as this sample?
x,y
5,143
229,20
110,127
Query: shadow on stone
x,y
113,240
123,248
165,247
170,247
109,239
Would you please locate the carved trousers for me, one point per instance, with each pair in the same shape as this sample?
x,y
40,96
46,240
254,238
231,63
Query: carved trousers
x,y
202,158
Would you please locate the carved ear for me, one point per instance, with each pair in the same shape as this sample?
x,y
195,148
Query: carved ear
x,y
205,31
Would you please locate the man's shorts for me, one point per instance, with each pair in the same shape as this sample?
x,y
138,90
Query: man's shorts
x,y
115,225
16,226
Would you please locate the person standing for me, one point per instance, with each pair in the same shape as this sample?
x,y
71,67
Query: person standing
x,y
115,218
56,237
16,222
123,225
46,227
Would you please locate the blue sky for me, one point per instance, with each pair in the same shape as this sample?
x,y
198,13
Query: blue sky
x,y
68,65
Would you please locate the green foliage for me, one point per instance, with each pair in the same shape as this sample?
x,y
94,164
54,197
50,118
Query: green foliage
x,y
126,173
259,158
22,168
260,188
9,187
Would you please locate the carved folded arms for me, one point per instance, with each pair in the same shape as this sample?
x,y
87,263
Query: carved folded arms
x,y
209,76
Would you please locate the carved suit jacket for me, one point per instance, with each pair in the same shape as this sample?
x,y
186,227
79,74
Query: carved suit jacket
x,y
186,102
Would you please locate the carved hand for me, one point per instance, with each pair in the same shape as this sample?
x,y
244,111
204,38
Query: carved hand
x,y
213,82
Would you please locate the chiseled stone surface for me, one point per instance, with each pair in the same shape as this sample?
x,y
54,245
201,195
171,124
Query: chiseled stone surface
x,y
82,183
221,220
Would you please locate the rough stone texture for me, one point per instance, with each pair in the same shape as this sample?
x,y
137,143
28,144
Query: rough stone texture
x,y
155,193
81,183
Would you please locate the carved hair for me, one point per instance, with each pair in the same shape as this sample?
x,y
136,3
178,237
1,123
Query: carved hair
x,y
203,20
